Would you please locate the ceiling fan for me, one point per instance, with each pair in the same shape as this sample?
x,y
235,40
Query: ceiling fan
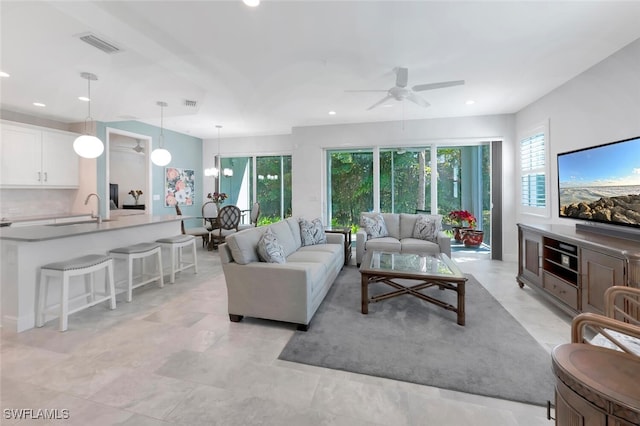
x,y
138,148
400,91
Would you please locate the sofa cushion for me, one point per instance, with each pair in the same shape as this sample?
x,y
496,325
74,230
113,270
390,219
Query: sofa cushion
x,y
285,236
374,225
427,227
243,245
417,246
269,249
392,222
312,232
383,244
294,226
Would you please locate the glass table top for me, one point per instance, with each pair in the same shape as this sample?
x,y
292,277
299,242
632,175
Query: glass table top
x,y
411,263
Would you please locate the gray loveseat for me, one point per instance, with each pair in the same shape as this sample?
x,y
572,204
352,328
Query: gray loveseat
x,y
400,228
291,291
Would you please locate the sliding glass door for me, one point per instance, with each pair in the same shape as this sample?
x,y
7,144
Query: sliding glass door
x,y
407,182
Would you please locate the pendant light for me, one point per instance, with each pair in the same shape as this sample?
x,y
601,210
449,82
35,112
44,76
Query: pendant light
x,y
160,156
215,170
88,146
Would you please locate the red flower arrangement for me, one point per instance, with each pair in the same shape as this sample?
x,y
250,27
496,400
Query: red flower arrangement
x,y
217,197
459,216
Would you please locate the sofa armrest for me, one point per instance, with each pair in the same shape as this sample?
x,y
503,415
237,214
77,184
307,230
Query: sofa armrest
x,y
444,241
361,239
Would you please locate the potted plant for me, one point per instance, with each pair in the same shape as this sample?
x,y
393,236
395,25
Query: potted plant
x,y
217,197
458,218
136,193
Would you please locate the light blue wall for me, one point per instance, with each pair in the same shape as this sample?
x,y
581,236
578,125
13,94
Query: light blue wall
x,y
186,153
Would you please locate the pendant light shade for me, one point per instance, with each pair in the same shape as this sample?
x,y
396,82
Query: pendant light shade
x,y
88,146
160,156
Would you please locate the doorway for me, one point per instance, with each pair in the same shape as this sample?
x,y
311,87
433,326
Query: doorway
x,y
128,169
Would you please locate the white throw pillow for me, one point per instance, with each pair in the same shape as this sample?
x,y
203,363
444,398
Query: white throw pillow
x,y
427,227
312,232
269,249
374,226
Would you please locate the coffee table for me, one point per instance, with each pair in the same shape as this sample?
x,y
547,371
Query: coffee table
x,y
423,271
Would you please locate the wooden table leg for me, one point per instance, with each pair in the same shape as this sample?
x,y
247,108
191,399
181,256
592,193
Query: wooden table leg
x,y
365,293
461,313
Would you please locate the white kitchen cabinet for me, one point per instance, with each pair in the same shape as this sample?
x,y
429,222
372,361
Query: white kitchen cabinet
x,y
36,157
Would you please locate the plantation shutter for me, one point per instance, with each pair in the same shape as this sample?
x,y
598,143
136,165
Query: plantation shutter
x,y
533,175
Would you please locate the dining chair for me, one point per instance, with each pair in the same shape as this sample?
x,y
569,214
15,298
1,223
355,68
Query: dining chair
x,y
228,222
198,231
253,217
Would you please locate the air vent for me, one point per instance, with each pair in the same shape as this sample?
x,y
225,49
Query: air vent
x,y
99,43
190,104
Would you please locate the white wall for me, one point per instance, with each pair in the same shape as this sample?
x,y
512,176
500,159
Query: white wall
x,y
598,106
127,169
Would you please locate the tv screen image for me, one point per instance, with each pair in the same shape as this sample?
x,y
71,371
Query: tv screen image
x,y
601,183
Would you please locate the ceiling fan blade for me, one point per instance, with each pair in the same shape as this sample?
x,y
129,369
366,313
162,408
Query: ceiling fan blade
x,y
402,76
381,101
360,91
418,100
431,86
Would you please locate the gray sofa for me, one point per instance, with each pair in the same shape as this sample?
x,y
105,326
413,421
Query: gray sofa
x,y
400,227
291,291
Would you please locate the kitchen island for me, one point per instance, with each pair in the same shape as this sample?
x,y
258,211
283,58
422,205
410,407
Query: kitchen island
x,y
25,249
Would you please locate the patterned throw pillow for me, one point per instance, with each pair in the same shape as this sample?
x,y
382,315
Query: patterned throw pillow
x,y
269,249
312,232
427,227
374,226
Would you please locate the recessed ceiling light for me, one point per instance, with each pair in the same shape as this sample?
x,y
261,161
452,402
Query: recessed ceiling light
x,y
387,106
84,98
4,74
251,3
470,102
332,113
39,104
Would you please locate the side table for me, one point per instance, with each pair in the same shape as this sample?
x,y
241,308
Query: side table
x,y
346,231
596,386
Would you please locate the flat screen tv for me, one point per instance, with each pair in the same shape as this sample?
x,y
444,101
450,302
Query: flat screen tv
x,y
601,183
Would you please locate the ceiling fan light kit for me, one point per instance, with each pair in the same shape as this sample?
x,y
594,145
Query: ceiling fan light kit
x,y
160,156
401,92
88,146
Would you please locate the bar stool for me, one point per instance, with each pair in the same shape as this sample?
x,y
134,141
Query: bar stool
x,y
140,252
175,245
84,265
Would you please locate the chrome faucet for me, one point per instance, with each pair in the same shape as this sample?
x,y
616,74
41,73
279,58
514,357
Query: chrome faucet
x,y
87,202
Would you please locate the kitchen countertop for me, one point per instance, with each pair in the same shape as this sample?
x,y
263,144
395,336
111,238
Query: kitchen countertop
x,y
64,230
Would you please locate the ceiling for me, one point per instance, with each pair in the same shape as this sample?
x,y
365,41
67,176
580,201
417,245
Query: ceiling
x,y
264,70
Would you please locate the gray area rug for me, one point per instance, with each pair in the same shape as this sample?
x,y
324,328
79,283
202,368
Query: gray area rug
x,y
405,338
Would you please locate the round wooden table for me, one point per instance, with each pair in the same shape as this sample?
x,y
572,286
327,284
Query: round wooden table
x,y
596,386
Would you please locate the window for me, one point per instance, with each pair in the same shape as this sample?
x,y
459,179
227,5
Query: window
x,y
533,172
266,179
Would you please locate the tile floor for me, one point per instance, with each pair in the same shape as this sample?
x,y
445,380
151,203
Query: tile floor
x,y
172,357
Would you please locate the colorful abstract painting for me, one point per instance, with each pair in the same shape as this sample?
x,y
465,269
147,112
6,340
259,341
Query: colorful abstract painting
x,y
179,187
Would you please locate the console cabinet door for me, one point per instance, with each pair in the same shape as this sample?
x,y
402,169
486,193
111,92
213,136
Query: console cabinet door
x,y
531,247
599,272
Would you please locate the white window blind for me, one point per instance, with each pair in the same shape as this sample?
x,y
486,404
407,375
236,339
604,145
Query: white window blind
x,y
533,171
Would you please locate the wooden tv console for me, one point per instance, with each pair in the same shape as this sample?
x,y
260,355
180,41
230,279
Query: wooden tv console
x,y
572,268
